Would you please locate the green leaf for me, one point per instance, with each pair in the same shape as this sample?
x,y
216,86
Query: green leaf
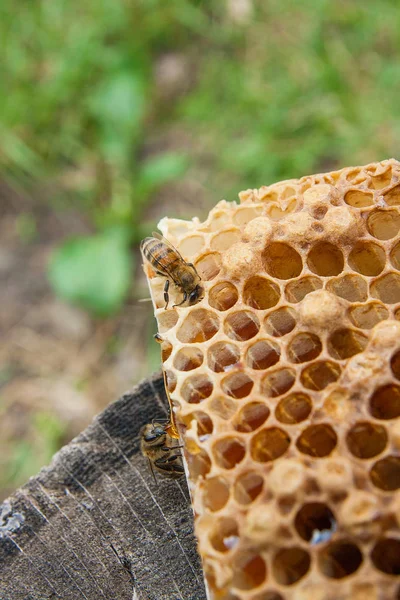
x,y
163,168
119,104
93,272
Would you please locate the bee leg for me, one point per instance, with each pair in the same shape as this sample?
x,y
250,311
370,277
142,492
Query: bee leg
x,y
169,464
183,301
167,449
166,296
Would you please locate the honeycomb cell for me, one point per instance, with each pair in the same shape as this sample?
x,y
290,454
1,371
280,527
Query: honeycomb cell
x,y
289,565
196,388
382,180
170,380
392,196
208,266
352,288
251,417
280,322
325,259
344,343
167,320
204,423
224,535
293,408
395,256
319,375
215,493
340,559
249,570
223,407
237,385
199,325
223,296
248,487
385,555
278,382
246,214
229,452
241,325
260,293
395,364
368,315
269,595
317,440
225,239
276,212
166,351
282,261
295,291
366,440
304,347
218,220
385,473
191,246
222,356
359,198
286,478
269,444
367,258
387,288
262,355
199,464
385,402
383,224
313,520
188,358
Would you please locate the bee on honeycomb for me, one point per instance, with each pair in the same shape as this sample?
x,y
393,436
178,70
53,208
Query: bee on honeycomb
x,y
285,382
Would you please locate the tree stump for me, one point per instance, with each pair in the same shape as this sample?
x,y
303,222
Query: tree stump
x,y
95,525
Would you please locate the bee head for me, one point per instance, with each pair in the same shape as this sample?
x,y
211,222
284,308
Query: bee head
x,y
154,434
196,294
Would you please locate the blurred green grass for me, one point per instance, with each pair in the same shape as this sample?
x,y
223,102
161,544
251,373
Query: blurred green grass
x,y
267,90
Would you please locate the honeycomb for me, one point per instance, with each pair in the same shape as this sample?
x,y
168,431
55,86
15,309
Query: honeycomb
x,y
285,381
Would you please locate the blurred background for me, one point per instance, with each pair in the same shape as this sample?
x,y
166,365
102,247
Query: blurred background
x,y
115,113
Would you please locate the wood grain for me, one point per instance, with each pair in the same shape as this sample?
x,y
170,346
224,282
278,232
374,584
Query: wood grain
x,y
95,525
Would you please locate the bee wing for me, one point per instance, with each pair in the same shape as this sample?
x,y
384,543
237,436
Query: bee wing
x,y
163,239
152,258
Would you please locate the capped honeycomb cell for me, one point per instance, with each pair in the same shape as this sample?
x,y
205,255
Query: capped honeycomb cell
x,y
285,382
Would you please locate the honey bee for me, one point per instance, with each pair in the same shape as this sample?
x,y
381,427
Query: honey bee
x,y
157,446
168,262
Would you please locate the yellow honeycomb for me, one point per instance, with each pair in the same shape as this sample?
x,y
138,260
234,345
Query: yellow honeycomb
x,y
285,379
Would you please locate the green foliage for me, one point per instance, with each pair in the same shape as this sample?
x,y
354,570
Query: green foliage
x,y
27,456
93,272
296,87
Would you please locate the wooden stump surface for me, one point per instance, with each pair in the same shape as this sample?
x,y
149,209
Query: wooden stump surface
x,y
95,525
